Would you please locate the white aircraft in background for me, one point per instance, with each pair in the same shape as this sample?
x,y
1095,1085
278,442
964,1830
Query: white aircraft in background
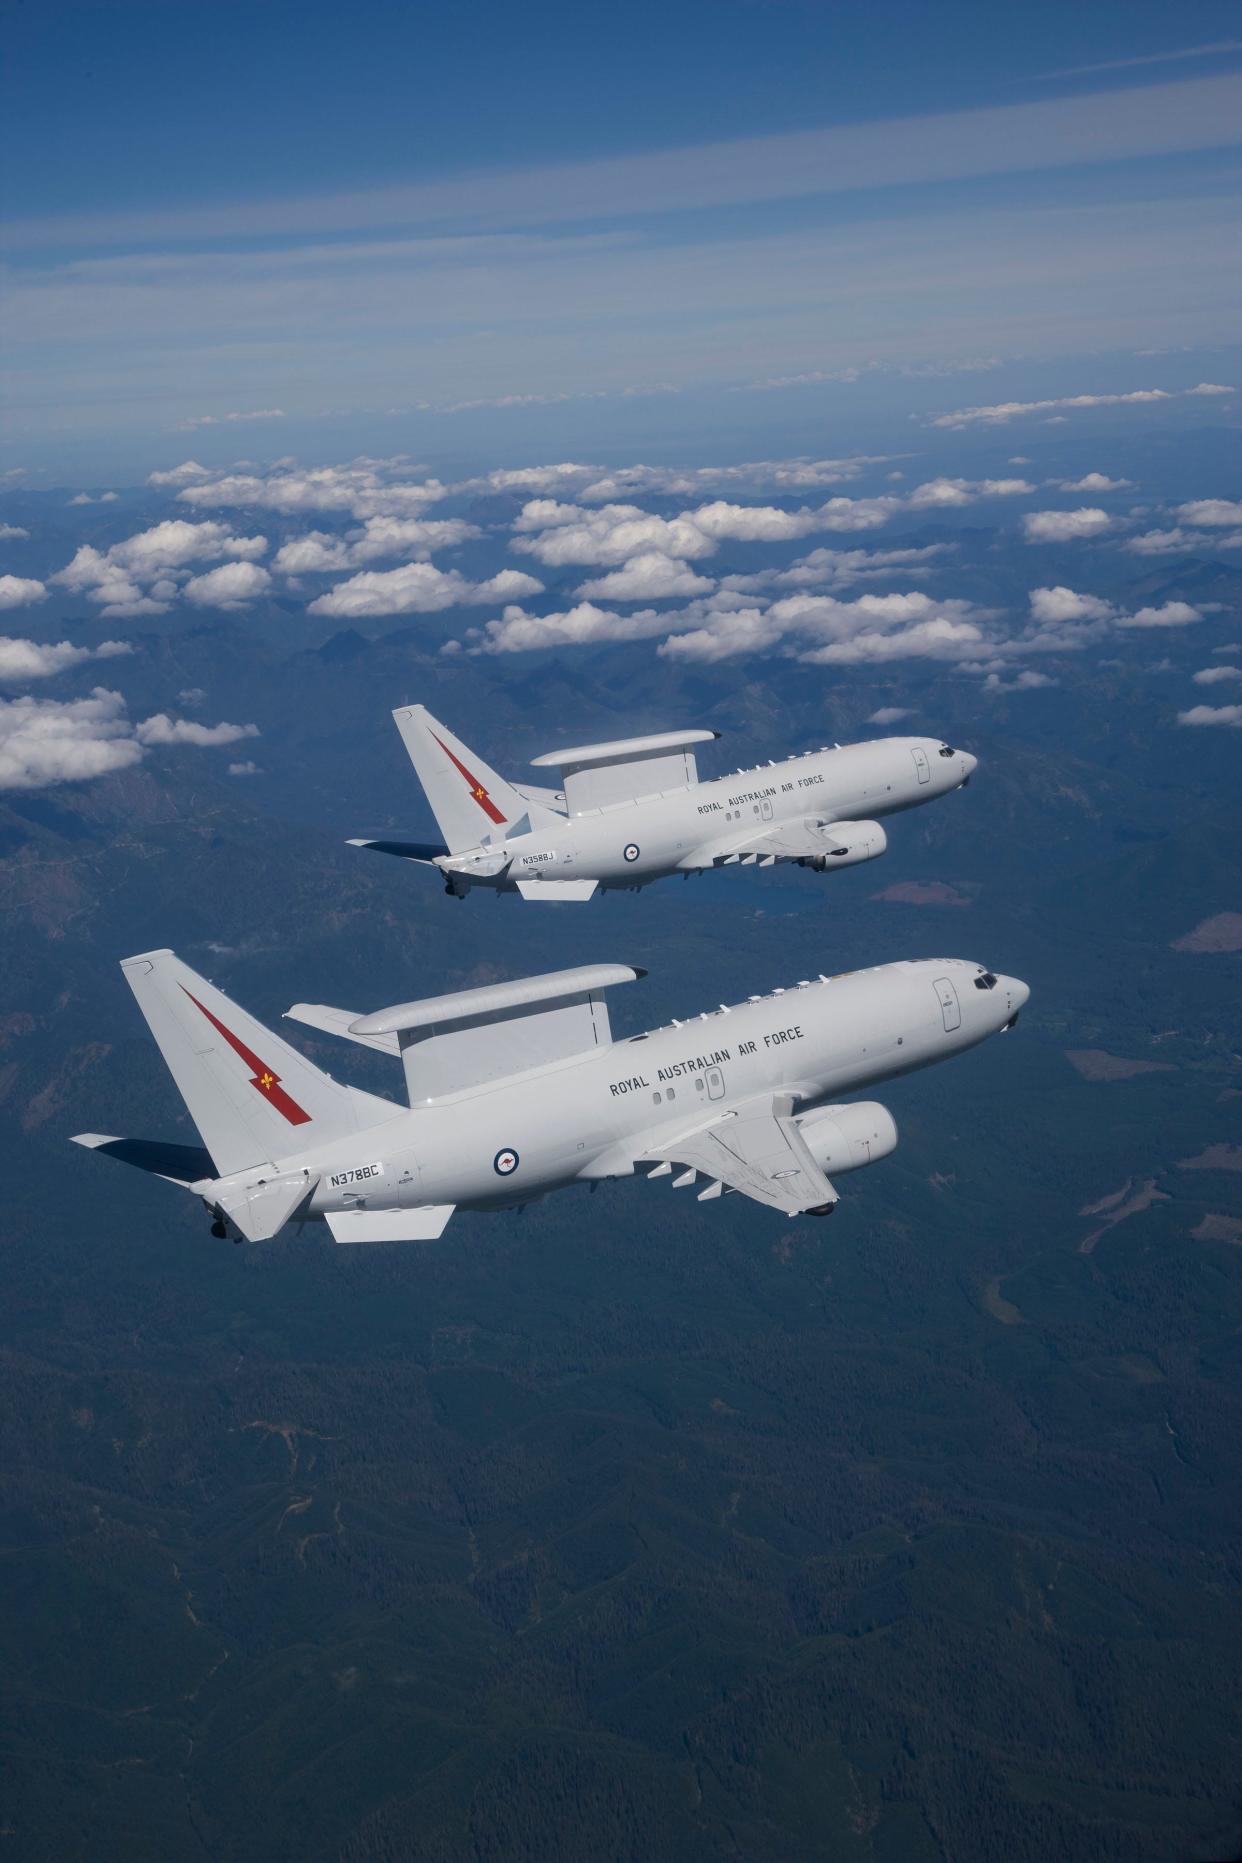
x,y
516,1089
633,811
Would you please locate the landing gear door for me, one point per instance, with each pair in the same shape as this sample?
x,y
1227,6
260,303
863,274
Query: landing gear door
x,y
950,1009
921,764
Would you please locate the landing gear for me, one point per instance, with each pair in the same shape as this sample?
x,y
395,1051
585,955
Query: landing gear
x,y
822,1209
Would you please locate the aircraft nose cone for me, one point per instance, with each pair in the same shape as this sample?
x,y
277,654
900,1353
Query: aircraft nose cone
x,y
969,765
1019,993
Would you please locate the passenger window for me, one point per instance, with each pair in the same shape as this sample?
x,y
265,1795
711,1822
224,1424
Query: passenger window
x,y
657,1097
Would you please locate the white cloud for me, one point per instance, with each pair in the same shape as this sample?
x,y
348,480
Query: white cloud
x,y
364,488
1179,540
1026,681
950,492
1169,614
82,498
562,534
143,574
728,636
1212,715
12,533
248,768
1003,411
419,588
413,538
889,714
161,729
1094,482
191,695
1216,675
183,474
1065,526
230,586
28,659
46,741
649,577
1061,604
21,592
940,639
519,632
825,568
1212,513
220,420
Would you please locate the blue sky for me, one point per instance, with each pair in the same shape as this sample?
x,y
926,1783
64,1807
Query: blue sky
x,y
497,229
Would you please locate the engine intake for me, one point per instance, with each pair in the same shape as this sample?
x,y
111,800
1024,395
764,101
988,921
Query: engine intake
x,y
850,843
844,1138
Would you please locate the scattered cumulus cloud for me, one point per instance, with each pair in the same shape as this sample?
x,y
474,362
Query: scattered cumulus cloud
x,y
1055,607
1217,675
161,729
145,573
651,576
12,533
889,715
1212,715
21,591
231,586
1065,526
419,588
21,660
1094,482
223,420
1212,513
44,742
951,492
364,488
248,768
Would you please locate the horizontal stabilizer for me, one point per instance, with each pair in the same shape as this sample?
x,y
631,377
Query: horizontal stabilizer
x,y
390,1225
596,776
426,851
180,1164
339,1022
262,1207
558,892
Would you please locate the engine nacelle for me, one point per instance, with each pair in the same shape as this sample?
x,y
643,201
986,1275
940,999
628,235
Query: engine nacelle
x,y
844,1138
851,842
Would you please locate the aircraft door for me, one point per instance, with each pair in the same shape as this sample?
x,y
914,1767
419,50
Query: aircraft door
x,y
950,1009
715,1084
765,809
921,764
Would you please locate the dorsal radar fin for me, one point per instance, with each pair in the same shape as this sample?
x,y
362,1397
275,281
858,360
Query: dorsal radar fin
x,y
597,775
450,1043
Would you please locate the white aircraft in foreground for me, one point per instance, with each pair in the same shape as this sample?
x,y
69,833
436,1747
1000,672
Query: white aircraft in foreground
x,y
516,1089
634,810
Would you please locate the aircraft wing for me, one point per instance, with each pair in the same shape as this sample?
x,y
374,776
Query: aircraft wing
x,y
756,1149
809,837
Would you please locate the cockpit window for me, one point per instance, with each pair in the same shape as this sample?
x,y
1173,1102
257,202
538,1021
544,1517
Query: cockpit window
x,y
947,750
986,980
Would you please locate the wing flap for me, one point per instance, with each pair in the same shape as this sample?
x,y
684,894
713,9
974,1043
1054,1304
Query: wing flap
x,y
757,1150
807,838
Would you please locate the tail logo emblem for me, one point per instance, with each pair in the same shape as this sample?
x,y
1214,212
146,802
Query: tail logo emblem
x,y
473,784
261,1077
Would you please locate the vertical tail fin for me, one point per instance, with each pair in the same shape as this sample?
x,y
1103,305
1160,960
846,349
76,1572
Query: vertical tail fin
x,y
253,1098
470,801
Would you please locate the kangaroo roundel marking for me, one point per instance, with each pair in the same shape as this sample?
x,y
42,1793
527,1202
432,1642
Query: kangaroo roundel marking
x,y
505,1163
631,850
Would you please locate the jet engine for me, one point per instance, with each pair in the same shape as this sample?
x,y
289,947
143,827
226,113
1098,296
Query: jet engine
x,y
844,1138
848,843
